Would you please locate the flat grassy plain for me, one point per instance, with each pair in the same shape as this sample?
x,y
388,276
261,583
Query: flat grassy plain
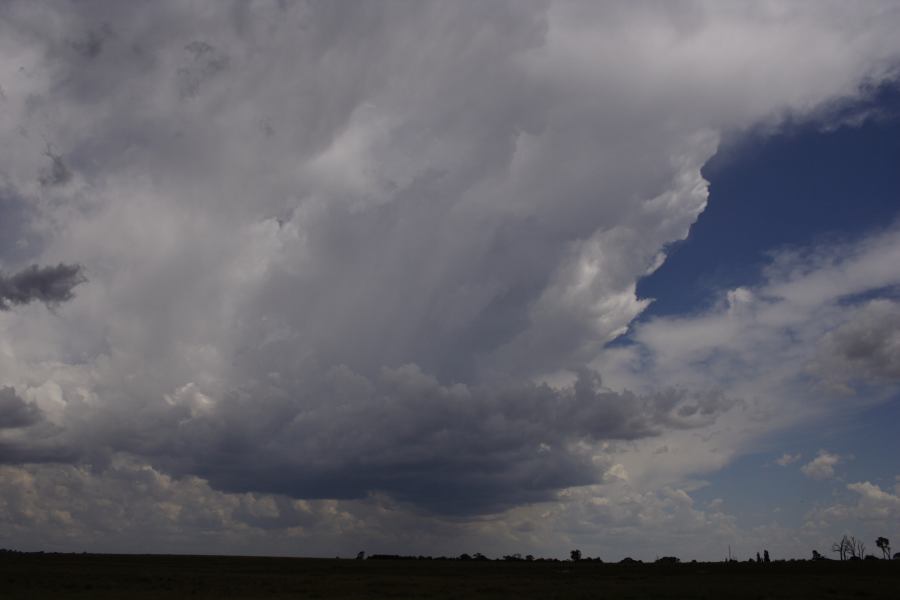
x,y
37,576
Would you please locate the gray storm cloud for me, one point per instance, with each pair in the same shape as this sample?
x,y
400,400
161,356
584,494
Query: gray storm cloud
x,y
15,412
335,247
451,449
50,285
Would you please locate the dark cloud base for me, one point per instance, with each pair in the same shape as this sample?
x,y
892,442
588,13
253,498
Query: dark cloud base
x,y
50,285
444,449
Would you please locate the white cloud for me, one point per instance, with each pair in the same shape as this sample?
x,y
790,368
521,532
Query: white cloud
x,y
787,458
873,496
822,466
865,349
783,326
871,509
810,337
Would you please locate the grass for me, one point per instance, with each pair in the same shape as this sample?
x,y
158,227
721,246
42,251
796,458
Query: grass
x,y
37,576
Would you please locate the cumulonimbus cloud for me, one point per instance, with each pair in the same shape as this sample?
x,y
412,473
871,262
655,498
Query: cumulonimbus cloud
x,y
337,245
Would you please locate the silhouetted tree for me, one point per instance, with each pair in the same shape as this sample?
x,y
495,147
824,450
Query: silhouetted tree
x,y
575,555
884,545
766,556
758,559
529,557
817,556
842,548
360,555
856,548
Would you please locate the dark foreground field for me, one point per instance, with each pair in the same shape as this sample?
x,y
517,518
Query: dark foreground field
x,y
106,576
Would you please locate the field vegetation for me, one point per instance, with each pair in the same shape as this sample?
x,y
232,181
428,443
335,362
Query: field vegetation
x,y
35,576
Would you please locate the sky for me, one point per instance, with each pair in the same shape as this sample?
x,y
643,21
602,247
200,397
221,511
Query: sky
x,y
310,278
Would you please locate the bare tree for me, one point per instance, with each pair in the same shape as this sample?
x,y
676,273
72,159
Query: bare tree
x,y
841,547
884,545
856,548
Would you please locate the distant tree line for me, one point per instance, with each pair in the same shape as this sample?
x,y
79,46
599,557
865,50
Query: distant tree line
x,y
847,548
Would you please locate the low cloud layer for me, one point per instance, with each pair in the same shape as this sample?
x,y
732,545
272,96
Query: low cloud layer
x,y
447,449
373,253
